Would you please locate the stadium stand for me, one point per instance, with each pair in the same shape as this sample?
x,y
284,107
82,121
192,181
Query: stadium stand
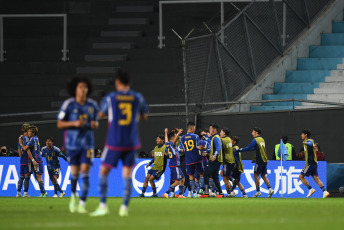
x,y
102,37
319,77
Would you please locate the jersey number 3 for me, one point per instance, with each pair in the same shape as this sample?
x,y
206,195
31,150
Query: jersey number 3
x,y
126,109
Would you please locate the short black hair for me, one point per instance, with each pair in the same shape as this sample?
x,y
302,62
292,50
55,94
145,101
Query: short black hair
x,y
73,83
258,130
236,139
307,132
215,126
226,131
161,136
190,124
50,138
199,133
170,135
285,139
123,77
206,130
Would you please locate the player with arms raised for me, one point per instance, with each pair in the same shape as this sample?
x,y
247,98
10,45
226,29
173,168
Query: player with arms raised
x,y
177,175
52,154
125,108
311,168
78,117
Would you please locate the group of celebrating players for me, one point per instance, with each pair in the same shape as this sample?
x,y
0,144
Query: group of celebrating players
x,y
31,161
201,155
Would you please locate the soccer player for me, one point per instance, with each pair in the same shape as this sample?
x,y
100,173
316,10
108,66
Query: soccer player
x,y
261,160
35,149
228,160
160,161
215,160
78,117
311,168
25,164
174,165
189,145
237,170
125,108
52,154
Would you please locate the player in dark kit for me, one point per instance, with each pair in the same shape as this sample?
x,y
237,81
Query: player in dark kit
x,y
52,154
176,173
189,145
125,108
261,160
311,168
159,161
34,146
215,160
25,164
78,117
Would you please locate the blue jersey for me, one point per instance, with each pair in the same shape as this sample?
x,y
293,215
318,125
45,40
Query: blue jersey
x,y
24,158
35,148
173,154
123,109
208,140
189,143
52,156
81,138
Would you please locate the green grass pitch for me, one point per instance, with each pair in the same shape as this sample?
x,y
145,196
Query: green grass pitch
x,y
173,213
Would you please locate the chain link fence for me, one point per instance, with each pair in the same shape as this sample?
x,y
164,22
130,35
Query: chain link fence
x,y
255,35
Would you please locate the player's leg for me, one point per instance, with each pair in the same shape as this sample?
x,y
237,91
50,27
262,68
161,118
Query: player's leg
x,y
306,172
241,187
145,185
215,176
175,179
264,172
26,185
53,181
225,177
200,174
20,181
187,180
74,162
39,178
151,182
319,182
56,183
181,188
190,170
27,180
128,163
256,181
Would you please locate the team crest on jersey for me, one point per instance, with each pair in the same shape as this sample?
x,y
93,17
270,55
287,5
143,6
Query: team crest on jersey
x,y
75,110
90,110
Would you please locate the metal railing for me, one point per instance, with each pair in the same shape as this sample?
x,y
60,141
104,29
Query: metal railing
x,y
64,16
195,108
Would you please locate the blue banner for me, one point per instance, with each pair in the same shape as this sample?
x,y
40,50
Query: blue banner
x,y
292,186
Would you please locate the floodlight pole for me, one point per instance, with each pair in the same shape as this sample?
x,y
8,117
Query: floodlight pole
x,y
185,71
